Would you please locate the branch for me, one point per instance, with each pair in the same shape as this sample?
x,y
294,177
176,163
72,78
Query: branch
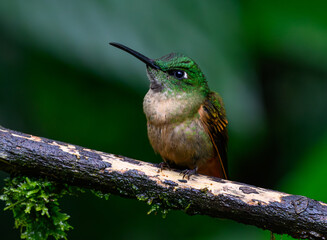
x,y
282,213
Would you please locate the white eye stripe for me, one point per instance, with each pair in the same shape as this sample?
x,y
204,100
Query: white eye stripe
x,y
185,75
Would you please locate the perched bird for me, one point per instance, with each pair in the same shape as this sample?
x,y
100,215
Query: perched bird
x,y
186,121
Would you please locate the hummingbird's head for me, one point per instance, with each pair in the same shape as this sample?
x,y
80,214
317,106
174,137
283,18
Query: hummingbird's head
x,y
174,73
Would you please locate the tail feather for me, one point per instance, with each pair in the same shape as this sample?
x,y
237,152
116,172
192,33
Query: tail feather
x,y
212,167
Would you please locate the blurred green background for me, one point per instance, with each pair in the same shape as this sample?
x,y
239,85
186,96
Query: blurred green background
x,y
60,79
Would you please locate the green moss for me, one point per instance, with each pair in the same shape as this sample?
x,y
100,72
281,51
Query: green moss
x,y
204,190
101,194
135,188
161,203
157,203
154,208
35,207
187,207
142,197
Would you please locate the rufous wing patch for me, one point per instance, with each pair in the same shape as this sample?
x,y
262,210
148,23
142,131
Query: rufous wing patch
x,y
212,115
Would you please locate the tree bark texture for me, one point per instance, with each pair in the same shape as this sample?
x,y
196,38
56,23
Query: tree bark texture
x,y
282,213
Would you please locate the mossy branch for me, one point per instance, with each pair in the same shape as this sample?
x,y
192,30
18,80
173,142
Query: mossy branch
x,y
282,213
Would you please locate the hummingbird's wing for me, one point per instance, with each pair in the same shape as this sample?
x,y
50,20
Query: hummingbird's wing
x,y
213,118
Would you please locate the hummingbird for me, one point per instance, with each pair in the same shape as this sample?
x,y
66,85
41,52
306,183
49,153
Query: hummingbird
x,y
186,121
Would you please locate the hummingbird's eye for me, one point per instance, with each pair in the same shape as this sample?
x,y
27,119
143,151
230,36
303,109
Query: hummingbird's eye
x,y
178,74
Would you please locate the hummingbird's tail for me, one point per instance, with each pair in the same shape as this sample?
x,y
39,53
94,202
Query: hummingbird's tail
x,y
213,168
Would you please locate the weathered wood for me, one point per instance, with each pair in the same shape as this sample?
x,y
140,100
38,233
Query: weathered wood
x,y
283,213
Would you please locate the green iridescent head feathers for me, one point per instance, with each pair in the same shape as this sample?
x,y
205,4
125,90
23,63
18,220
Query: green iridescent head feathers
x,y
174,62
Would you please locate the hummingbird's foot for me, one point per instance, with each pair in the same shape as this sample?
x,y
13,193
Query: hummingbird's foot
x,y
187,173
163,165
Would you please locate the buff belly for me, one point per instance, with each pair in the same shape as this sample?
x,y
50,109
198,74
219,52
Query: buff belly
x,y
185,144
175,130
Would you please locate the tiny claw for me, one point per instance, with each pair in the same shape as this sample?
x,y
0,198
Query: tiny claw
x,y
163,165
187,173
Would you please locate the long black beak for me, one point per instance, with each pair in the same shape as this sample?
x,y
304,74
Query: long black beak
x,y
138,55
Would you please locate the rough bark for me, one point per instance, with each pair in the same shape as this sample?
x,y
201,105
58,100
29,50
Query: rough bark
x,y
282,213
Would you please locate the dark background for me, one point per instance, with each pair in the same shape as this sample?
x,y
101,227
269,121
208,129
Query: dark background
x,y
60,79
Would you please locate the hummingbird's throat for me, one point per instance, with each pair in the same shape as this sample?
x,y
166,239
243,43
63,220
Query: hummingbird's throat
x,y
155,84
